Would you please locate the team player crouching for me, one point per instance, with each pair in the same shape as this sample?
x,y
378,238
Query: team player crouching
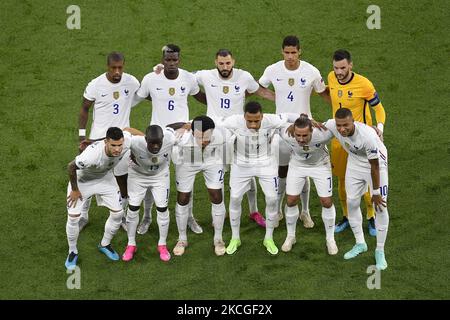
x,y
149,170
91,174
310,158
367,165
201,150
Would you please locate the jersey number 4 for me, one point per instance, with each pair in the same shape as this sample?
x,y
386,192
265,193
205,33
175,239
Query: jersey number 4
x,y
290,96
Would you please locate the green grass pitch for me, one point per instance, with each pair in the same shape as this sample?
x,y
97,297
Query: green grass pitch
x,y
45,67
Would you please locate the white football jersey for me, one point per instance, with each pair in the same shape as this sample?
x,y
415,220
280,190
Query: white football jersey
x,y
112,103
254,148
148,163
93,163
169,97
311,155
190,153
293,87
363,145
225,97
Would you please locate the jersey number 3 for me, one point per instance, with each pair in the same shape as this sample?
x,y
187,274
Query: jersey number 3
x,y
116,108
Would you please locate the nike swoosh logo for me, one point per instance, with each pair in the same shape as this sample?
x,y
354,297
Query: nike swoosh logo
x,y
159,88
104,95
214,86
279,79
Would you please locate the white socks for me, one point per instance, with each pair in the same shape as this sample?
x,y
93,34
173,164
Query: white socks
x,y
382,224
291,214
181,215
355,219
111,227
218,218
72,231
235,216
271,216
163,220
132,222
329,218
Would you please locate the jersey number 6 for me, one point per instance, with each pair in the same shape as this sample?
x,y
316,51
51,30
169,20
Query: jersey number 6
x,y
171,105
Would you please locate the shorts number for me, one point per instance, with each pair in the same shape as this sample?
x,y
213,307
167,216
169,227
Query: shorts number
x,y
167,194
384,190
275,180
290,96
224,103
329,180
220,175
116,108
171,105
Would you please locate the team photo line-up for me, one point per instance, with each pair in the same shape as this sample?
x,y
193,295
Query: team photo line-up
x,y
124,167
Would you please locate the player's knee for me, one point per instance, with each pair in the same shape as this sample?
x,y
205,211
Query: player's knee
x,y
282,171
116,214
161,209
326,202
215,195
292,200
183,198
133,208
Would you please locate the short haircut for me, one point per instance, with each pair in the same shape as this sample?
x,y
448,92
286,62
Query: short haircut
x,y
202,123
342,54
224,53
114,56
170,48
291,41
153,132
343,113
252,107
114,133
303,122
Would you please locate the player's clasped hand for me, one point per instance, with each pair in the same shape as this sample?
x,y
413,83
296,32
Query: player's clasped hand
x,y
378,201
73,198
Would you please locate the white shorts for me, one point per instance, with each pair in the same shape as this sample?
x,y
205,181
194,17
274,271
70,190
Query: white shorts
x,y
241,176
357,180
106,191
284,152
122,167
185,176
320,174
159,186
